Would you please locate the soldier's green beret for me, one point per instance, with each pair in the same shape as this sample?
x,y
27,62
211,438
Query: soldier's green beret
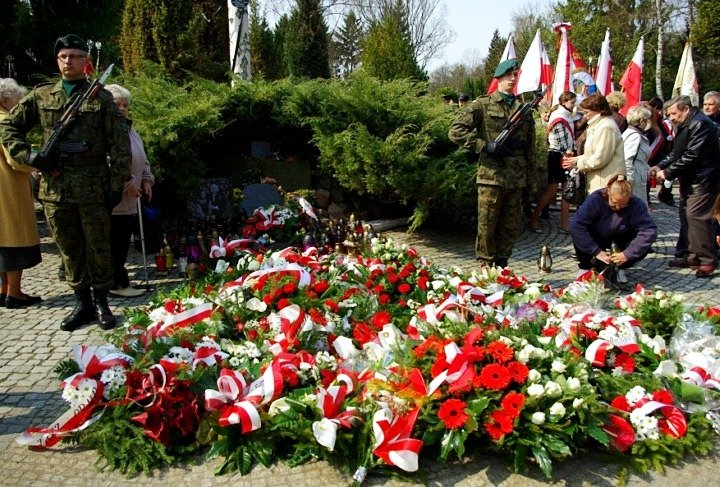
x,y
70,41
506,66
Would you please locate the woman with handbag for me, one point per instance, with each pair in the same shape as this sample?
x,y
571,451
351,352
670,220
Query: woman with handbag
x,y
604,154
123,221
561,140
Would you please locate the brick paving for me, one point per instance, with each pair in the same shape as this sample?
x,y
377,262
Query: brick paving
x,y
31,345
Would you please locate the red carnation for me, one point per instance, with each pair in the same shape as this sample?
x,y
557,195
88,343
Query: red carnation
x,y
495,377
363,333
664,396
404,288
423,283
513,403
518,372
384,298
625,362
283,303
321,286
332,305
380,319
452,413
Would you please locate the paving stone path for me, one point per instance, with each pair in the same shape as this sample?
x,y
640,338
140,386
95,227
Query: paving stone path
x,y
31,345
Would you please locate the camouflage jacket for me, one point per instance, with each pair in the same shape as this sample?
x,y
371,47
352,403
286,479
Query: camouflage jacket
x,y
483,120
85,177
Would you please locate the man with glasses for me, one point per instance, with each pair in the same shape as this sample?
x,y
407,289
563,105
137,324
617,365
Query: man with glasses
x,y
82,181
503,170
612,228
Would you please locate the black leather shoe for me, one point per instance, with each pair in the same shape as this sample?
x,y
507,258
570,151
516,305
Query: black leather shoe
x,y
107,320
2,300
83,313
683,263
15,303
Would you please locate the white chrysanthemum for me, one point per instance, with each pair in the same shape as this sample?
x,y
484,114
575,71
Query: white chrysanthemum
x,y
635,395
577,402
179,354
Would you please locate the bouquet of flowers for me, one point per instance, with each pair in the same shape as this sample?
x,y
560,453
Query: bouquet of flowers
x,y
657,311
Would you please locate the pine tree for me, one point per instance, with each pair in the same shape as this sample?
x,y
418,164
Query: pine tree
x,y
306,42
263,55
495,51
347,45
388,51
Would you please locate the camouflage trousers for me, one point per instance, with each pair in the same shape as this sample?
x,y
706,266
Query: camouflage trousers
x,y
82,233
500,222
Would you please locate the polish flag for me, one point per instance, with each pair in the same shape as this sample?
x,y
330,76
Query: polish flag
x,y
564,66
508,53
632,79
535,70
603,76
686,81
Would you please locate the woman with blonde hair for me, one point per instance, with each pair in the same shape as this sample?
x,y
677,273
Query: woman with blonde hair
x,y
19,236
637,150
612,227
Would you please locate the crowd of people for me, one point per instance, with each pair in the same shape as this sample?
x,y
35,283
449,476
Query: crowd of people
x,y
621,158
90,180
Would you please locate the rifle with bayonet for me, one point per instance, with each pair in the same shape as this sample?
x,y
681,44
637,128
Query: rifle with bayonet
x,y
518,117
47,158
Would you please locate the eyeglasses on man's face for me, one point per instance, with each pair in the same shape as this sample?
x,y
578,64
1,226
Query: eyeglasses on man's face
x,y
71,57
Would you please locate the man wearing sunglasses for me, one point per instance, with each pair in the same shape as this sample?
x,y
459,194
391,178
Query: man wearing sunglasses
x,y
81,181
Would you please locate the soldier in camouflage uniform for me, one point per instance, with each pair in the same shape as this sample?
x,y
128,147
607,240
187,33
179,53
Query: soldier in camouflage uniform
x,y
82,182
503,170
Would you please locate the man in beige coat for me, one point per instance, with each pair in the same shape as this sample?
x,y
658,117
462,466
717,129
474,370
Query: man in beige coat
x,y
604,155
19,237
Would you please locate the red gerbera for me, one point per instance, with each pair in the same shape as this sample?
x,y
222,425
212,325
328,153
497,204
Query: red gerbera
x,y
499,351
495,377
452,413
503,419
518,372
512,403
620,403
494,430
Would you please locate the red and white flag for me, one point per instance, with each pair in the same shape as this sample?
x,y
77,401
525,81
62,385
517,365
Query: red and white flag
x,y
508,53
603,76
686,81
632,79
564,65
535,70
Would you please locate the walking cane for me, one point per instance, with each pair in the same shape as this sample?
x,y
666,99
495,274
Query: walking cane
x,y
142,243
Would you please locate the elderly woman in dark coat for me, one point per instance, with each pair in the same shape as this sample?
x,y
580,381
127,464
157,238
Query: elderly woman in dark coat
x,y
612,217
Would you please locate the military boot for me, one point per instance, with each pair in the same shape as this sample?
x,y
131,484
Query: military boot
x,y
83,313
107,320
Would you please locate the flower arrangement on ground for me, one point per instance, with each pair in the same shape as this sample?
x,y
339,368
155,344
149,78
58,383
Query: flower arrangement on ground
x,y
369,362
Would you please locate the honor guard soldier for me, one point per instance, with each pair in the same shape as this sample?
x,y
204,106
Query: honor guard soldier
x,y
503,168
83,173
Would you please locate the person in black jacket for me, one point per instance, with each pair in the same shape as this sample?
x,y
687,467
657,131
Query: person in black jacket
x,y
695,161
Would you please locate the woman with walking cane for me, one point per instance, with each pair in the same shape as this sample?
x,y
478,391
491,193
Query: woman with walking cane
x,y
124,216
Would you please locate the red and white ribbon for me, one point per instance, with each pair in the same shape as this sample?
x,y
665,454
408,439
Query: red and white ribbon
x,y
433,314
238,402
392,439
75,419
227,249
301,275
181,320
674,423
700,377
269,219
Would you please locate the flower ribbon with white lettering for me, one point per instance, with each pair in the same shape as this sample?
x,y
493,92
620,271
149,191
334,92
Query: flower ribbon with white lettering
x,y
87,390
330,401
269,219
237,402
392,438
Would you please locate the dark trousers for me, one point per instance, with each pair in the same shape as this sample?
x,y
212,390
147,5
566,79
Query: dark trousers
x,y
82,236
701,234
587,261
682,248
121,228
